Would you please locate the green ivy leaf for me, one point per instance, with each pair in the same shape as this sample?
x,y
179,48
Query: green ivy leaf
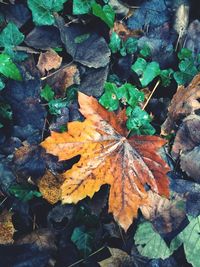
x,y
5,111
190,239
11,36
83,240
42,10
185,53
82,6
166,77
149,243
139,66
146,71
130,45
8,68
2,84
56,105
115,42
109,99
152,71
105,13
186,73
145,51
47,93
139,121
129,94
24,192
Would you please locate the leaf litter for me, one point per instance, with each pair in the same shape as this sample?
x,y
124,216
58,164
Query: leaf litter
x,y
94,180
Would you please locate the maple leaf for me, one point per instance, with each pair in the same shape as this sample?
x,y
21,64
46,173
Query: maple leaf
x,y
108,157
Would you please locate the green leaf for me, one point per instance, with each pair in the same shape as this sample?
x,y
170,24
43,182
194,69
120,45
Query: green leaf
x,y
56,105
106,13
2,84
71,95
130,45
145,51
115,42
113,78
5,111
152,70
166,77
24,192
184,53
109,99
81,38
8,68
149,243
42,10
146,71
1,125
139,121
11,36
47,93
186,73
83,240
190,238
129,94
139,66
82,6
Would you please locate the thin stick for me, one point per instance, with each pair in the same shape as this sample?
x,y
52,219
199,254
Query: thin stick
x,y
3,201
82,260
66,65
154,89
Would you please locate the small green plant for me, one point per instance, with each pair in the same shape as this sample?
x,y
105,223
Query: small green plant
x,y
128,96
24,192
105,12
189,66
56,104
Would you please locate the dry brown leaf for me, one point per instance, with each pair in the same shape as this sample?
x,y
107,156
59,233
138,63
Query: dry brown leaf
x,y
190,163
64,78
6,228
43,238
119,258
183,103
48,61
166,214
123,31
187,136
108,157
50,187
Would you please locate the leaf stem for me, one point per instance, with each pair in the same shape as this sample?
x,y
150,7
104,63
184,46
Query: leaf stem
x,y
154,89
82,260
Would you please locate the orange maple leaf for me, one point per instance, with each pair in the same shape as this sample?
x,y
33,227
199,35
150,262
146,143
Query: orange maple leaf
x,y
108,157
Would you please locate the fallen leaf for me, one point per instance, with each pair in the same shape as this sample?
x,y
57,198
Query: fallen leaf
x,y
187,136
48,61
190,163
43,238
119,258
183,103
107,157
165,214
6,228
44,37
123,31
49,185
149,243
64,78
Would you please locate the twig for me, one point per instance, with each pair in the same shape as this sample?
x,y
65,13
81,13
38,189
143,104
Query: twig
x,y
154,89
82,260
64,66
3,201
